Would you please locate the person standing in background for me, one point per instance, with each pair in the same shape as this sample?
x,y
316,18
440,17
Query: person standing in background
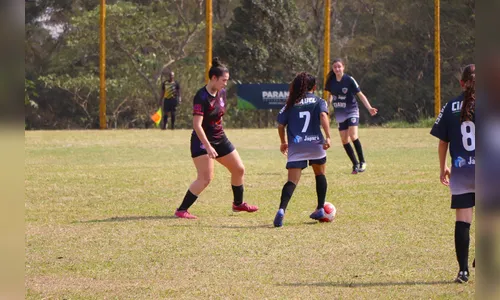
x,y
171,97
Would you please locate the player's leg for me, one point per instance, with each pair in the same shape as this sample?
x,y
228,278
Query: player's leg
x,y
294,173
463,205
344,138
164,115
205,173
172,114
232,161
353,135
319,168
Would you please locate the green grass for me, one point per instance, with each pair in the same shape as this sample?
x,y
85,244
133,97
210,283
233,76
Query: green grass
x,y
99,223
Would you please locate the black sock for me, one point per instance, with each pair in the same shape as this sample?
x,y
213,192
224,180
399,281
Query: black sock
x,y
189,199
286,194
359,150
321,186
238,194
172,116
350,153
462,239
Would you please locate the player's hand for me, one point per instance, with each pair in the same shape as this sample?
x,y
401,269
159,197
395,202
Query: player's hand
x,y
373,111
326,144
445,176
211,152
284,148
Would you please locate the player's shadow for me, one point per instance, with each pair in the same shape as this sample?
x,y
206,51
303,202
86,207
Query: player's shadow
x,y
364,284
128,218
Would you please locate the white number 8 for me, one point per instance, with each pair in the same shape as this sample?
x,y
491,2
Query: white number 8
x,y
468,129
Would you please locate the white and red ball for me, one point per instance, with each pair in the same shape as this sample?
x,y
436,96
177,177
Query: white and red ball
x,y
330,212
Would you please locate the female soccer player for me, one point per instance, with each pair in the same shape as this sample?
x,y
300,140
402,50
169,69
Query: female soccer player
x,y
209,143
343,89
455,127
303,116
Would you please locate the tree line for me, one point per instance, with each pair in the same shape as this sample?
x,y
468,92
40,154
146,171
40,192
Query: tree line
x,y
387,46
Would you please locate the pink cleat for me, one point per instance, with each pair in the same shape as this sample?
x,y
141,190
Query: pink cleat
x,y
245,207
184,214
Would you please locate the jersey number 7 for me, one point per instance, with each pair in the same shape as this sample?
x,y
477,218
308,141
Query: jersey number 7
x,y
307,115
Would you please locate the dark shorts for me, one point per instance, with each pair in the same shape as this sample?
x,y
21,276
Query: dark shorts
x,y
463,201
223,148
302,164
169,104
354,121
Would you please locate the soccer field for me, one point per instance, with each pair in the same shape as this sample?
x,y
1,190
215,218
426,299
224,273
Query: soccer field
x,y
99,221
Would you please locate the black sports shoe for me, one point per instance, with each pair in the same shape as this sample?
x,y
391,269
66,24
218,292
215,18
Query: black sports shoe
x,y
354,170
462,277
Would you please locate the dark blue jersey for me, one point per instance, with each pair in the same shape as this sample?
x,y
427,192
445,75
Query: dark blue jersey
x,y
212,108
461,137
344,97
303,127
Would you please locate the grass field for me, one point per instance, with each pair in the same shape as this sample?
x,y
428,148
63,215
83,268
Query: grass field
x,y
99,207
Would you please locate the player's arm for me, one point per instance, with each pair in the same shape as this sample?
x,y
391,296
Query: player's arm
x,y
444,170
179,92
325,123
373,111
162,92
284,144
330,98
197,121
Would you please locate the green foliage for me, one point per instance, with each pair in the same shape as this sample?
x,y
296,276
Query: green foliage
x,y
387,45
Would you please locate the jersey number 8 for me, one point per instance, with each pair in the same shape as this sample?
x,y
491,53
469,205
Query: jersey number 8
x,y
468,129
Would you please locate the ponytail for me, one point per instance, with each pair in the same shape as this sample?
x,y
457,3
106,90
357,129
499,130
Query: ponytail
x,y
469,103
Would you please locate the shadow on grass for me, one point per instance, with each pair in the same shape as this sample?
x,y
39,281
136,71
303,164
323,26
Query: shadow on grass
x,y
128,218
364,284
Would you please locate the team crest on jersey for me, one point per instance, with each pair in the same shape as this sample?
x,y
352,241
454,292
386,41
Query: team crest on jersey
x,y
221,102
344,90
353,120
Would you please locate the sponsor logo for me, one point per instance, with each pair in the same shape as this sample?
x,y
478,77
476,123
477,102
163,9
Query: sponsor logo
x,y
275,97
344,90
311,138
197,108
440,114
456,106
461,162
202,146
339,104
334,97
297,139
353,120
221,102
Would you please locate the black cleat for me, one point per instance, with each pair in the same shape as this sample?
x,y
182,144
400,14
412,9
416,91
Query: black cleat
x,y
462,277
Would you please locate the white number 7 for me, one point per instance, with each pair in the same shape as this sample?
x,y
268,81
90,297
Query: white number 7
x,y
307,115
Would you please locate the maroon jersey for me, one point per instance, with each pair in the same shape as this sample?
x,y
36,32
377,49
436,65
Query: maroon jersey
x,y
212,108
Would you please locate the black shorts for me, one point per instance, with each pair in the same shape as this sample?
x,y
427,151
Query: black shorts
x,y
354,121
169,105
223,147
302,164
463,201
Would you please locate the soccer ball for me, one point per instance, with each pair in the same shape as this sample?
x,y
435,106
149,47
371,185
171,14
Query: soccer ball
x,y
330,212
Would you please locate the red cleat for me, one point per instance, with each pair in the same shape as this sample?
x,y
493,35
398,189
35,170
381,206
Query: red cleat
x,y
184,214
245,207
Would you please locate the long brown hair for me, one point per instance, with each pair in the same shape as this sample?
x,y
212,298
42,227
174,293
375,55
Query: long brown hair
x,y
330,74
301,84
469,83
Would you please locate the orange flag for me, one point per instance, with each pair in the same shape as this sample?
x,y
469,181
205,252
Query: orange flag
x,y
156,117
